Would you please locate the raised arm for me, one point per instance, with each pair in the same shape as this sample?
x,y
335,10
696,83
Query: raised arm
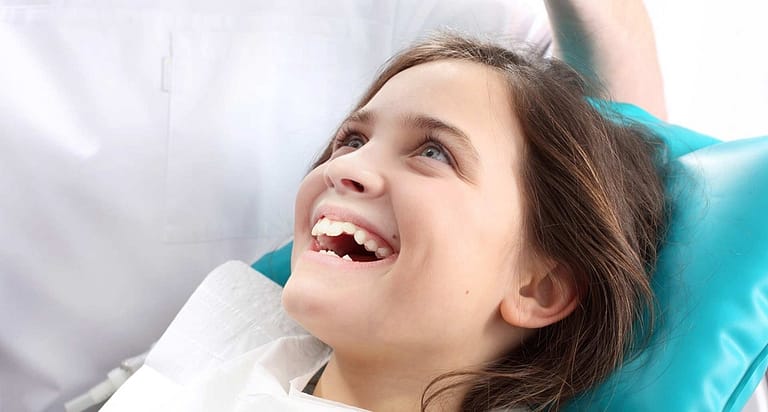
x,y
611,40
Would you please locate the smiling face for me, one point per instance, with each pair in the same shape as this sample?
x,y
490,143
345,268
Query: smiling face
x,y
426,177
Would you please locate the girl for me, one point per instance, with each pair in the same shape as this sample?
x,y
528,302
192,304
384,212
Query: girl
x,y
476,236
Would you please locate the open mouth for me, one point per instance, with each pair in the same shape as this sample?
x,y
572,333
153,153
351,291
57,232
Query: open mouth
x,y
348,241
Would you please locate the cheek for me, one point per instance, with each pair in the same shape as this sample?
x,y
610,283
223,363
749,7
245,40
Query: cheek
x,y
438,225
463,241
309,191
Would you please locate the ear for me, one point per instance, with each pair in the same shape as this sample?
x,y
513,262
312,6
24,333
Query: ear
x,y
543,299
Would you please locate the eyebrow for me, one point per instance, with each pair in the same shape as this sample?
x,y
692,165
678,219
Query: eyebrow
x,y
425,122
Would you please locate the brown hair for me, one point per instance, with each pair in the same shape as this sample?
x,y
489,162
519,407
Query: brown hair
x,y
595,203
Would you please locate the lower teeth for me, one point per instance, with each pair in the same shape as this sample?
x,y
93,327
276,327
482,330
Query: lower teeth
x,y
332,253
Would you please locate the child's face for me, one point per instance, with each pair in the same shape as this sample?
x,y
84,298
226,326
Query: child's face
x,y
450,218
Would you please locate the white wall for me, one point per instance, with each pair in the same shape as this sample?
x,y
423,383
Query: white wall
x,y
714,57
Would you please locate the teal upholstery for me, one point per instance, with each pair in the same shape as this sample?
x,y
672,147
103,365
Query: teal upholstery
x,y
710,346
276,265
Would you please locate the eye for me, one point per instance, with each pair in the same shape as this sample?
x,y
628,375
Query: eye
x,y
348,138
434,150
354,141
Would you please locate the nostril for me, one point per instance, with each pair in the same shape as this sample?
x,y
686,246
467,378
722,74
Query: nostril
x,y
353,185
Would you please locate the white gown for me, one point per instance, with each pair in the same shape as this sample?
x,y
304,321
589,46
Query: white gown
x,y
231,348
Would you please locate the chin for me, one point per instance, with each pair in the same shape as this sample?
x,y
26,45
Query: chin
x,y
332,314
310,303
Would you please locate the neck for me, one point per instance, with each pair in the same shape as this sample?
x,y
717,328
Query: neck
x,y
381,386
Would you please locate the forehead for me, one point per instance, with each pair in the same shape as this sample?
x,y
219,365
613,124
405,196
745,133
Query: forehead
x,y
470,96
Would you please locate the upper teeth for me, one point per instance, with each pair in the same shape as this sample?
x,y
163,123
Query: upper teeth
x,y
330,227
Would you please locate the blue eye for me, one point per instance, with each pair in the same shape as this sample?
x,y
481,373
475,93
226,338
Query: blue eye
x,y
433,148
353,141
349,139
436,152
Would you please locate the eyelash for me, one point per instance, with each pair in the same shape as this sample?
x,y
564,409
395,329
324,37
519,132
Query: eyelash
x,y
341,138
426,139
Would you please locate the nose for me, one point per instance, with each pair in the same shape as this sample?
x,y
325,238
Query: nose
x,y
354,174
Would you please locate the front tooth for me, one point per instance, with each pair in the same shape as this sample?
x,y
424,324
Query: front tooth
x,y
371,245
315,228
360,237
334,229
383,252
322,225
346,257
348,228
332,253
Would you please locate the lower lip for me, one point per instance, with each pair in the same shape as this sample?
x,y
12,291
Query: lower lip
x,y
346,265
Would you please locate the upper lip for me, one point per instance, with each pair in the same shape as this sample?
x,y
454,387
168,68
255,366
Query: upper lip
x,y
346,215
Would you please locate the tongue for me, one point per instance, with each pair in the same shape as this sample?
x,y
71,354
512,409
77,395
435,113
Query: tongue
x,y
363,258
346,245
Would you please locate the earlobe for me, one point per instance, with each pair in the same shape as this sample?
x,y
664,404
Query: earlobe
x,y
542,300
